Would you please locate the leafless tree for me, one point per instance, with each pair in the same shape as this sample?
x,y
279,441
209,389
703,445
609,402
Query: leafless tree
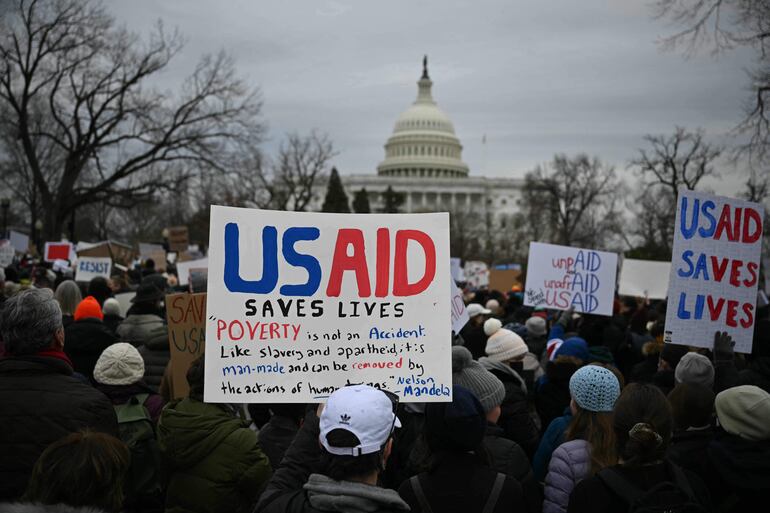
x,y
573,200
682,159
720,26
119,140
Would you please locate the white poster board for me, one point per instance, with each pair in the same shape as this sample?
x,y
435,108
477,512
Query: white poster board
x,y
457,271
714,270
561,276
183,269
459,312
19,241
124,298
476,274
300,304
644,278
7,252
88,268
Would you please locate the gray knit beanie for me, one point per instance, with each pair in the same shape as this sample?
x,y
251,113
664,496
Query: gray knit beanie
x,y
695,368
472,375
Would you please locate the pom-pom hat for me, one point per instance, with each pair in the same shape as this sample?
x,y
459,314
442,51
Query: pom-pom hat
x,y
503,345
594,388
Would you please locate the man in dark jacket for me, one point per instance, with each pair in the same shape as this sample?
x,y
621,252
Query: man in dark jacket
x,y
40,400
355,434
87,337
276,436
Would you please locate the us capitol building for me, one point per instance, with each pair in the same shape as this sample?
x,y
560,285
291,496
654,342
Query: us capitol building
x,y
423,161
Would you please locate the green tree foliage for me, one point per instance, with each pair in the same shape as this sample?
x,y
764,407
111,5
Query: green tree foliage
x,y
336,198
361,202
392,201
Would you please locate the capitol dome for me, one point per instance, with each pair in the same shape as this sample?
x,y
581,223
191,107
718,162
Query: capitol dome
x,y
423,143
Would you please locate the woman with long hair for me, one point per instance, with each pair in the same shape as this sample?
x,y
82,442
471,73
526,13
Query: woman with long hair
x,y
590,441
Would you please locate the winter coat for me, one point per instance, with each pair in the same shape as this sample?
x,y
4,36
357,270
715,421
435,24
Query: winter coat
x,y
84,341
515,419
150,334
120,394
20,507
139,329
41,402
276,436
298,487
552,391
552,438
507,457
570,464
743,467
591,495
475,339
756,373
214,460
461,482
689,450
112,322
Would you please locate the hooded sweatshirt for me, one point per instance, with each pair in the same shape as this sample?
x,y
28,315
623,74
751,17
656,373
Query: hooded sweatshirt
x,y
214,459
326,494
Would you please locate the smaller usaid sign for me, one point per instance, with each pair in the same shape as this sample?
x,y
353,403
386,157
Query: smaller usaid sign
x,y
560,277
89,268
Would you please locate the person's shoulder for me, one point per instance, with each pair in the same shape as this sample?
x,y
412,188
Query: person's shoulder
x,y
573,449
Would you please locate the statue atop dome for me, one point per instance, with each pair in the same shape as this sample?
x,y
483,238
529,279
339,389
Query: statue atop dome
x,y
425,67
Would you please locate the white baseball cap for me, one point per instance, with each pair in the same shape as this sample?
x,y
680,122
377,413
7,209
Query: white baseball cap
x,y
475,309
363,411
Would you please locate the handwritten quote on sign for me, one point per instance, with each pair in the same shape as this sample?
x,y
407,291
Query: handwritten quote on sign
x,y
561,277
714,270
301,304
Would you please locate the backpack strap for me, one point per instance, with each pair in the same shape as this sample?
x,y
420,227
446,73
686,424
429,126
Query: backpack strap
x,y
681,481
417,488
621,486
494,495
138,399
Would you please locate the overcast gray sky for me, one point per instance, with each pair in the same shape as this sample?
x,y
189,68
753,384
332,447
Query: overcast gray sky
x,y
537,77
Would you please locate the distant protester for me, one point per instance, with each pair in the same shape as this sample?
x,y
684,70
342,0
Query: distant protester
x,y
69,297
473,331
552,394
99,289
112,317
38,390
695,368
87,337
276,435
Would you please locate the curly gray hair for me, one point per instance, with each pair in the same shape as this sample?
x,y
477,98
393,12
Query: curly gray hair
x,y
28,321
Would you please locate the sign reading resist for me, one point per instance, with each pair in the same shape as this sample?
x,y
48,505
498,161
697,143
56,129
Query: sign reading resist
x,y
561,277
714,270
301,304
89,268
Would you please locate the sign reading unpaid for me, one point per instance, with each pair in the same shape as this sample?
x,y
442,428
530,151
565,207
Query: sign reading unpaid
x,y
714,270
561,277
302,304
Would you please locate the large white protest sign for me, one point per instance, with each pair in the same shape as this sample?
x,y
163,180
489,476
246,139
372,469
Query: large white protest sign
x,y
476,274
89,268
459,313
714,270
457,271
644,278
19,241
561,277
300,304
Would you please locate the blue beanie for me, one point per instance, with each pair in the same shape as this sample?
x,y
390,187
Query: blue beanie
x,y
594,388
574,346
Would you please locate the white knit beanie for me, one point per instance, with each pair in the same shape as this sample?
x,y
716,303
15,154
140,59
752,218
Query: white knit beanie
x,y
111,306
502,344
119,364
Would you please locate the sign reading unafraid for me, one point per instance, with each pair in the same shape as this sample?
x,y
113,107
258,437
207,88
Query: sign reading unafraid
x,y
301,304
714,270
89,268
561,277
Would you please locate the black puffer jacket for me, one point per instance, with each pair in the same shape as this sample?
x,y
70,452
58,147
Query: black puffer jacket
x,y
156,356
744,467
40,402
515,420
507,457
552,391
84,341
689,450
148,332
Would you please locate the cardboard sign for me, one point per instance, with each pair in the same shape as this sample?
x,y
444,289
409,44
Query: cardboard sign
x,y
560,276
146,250
504,279
89,268
714,270
183,269
7,252
644,278
186,315
178,238
477,274
58,251
301,304
459,312
19,241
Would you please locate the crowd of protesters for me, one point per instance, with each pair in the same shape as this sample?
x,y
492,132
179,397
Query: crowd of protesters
x,y
552,411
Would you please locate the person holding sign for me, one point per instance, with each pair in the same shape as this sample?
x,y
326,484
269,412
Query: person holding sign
x,y
353,441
